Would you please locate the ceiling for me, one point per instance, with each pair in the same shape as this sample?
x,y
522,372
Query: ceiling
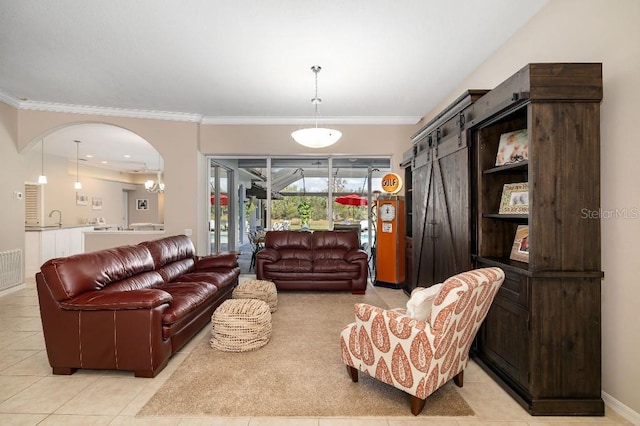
x,y
243,61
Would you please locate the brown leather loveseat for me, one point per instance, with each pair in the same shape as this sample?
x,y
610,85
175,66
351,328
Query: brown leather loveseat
x,y
129,307
319,260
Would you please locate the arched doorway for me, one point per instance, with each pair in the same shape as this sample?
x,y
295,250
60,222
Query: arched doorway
x,y
96,173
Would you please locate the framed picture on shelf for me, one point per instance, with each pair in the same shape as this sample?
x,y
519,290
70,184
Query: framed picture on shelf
x,y
513,147
520,248
142,204
515,198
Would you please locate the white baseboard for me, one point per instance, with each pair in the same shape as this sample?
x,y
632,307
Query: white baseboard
x,y
13,289
620,408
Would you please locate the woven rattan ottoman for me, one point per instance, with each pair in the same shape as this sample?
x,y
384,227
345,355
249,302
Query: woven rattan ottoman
x,y
258,289
240,325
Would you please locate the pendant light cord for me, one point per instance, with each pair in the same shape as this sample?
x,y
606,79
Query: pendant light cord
x,y
316,100
77,161
42,162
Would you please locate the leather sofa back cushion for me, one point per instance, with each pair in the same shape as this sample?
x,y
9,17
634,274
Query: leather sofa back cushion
x,y
333,244
170,249
290,244
70,276
174,270
151,279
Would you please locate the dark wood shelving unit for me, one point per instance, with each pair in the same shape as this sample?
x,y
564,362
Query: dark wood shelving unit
x,y
541,338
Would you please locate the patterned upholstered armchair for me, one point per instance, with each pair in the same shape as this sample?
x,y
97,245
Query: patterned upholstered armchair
x,y
418,356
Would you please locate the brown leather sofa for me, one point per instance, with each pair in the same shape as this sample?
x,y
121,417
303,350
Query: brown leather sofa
x,y
129,307
320,260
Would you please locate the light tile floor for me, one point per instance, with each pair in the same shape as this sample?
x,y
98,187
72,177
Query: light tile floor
x,y
31,395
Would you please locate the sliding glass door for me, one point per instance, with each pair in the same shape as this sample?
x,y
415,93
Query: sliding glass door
x,y
251,195
222,219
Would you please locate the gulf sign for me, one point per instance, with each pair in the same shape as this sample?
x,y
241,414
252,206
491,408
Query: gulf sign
x,y
391,183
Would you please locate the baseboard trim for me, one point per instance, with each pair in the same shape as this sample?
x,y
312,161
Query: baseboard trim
x,y
620,408
12,289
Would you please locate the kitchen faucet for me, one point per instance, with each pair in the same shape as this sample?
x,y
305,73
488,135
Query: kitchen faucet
x,y
60,215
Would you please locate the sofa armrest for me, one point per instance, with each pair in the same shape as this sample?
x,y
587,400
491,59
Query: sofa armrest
x,y
268,254
355,255
117,300
217,260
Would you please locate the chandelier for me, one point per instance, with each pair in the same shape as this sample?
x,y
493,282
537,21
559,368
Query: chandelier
x,y
156,186
316,137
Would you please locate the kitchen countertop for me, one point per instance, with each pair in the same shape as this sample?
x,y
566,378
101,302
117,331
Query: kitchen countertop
x,y
38,228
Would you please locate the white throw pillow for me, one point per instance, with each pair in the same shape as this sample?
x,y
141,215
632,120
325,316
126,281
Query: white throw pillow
x,y
421,300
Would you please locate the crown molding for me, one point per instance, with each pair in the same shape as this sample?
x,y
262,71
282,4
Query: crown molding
x,y
297,121
111,112
211,120
9,99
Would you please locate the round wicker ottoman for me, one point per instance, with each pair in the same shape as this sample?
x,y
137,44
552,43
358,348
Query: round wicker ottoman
x,y
241,325
258,289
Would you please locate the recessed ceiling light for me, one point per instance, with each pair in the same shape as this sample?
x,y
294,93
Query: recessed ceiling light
x,y
89,156
103,162
127,156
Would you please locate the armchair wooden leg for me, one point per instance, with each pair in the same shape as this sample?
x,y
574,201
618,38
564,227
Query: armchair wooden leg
x,y
353,373
459,379
417,405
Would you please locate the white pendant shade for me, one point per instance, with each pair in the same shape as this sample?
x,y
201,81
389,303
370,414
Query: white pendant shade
x,y
77,185
316,137
42,179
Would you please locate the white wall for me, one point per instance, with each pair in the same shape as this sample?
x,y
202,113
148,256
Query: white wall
x,y
12,177
144,216
607,32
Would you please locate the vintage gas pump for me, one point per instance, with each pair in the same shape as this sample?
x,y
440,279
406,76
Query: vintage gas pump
x,y
390,257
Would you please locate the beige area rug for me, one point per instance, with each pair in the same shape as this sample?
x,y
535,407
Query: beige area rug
x,y
298,373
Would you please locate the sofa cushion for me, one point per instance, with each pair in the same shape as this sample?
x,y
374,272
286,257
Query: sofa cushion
x,y
292,240
289,265
335,265
221,277
170,249
217,260
333,244
186,298
137,282
174,270
70,276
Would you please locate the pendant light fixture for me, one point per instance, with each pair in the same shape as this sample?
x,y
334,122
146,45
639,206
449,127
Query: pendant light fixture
x,y
77,185
156,186
316,137
42,179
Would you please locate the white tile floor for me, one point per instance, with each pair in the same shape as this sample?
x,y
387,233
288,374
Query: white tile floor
x,y
31,395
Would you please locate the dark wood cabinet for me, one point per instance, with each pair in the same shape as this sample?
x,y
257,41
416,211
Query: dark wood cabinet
x,y
407,161
541,338
440,175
